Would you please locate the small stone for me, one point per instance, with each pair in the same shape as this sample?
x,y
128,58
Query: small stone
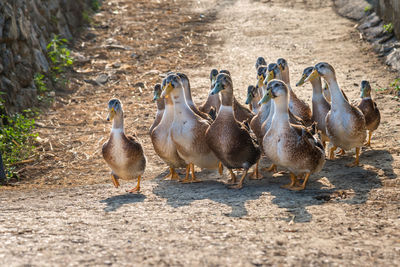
x,y
116,65
139,84
90,36
102,79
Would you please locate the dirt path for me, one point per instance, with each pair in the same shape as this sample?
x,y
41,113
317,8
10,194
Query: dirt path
x,y
66,210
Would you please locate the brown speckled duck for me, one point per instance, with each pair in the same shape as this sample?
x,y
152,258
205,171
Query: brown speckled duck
x,y
160,106
242,113
345,123
288,145
229,139
369,109
297,106
213,101
188,131
320,106
162,141
123,154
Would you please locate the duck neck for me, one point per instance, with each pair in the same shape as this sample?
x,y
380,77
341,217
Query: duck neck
x,y
180,106
188,94
226,102
281,114
160,104
169,109
118,123
286,76
317,87
337,98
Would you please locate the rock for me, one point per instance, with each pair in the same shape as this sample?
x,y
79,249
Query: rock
x,y
393,59
24,74
116,65
40,62
102,79
90,36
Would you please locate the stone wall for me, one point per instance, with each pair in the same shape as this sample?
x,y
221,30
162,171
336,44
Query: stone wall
x,y
26,27
389,11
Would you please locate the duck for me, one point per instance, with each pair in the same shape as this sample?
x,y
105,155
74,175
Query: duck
x,y
229,139
274,72
123,154
345,123
288,145
370,110
213,102
160,106
162,141
252,98
242,113
297,106
188,97
320,106
188,131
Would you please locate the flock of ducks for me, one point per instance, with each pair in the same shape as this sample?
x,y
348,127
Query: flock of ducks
x,y
224,133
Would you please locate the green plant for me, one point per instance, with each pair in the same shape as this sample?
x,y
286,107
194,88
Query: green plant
x,y
59,54
95,5
40,84
86,17
388,27
16,139
396,84
367,8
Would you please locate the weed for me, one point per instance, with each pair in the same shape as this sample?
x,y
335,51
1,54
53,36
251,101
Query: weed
x,y
367,8
396,84
95,5
43,93
59,54
388,27
16,140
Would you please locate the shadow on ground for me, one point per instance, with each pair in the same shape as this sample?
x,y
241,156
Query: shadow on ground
x,y
115,202
347,185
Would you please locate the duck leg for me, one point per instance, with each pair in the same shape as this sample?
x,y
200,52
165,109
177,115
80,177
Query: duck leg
x,y
341,152
233,177
240,184
303,185
172,173
186,180
271,168
194,179
293,181
369,139
137,188
357,161
114,179
256,174
332,152
220,168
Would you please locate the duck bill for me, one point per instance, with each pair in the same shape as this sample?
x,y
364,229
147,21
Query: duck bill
x,y
217,88
167,90
265,99
249,98
260,81
111,114
312,76
301,81
363,94
270,76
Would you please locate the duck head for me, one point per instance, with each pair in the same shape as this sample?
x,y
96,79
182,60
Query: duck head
x,y
114,109
260,62
213,76
306,72
365,89
223,82
157,92
261,75
170,84
251,92
323,69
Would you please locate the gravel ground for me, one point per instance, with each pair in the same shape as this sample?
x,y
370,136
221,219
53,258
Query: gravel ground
x,y
66,211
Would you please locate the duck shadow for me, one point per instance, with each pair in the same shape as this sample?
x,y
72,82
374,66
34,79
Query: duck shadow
x,y
212,187
115,202
336,183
